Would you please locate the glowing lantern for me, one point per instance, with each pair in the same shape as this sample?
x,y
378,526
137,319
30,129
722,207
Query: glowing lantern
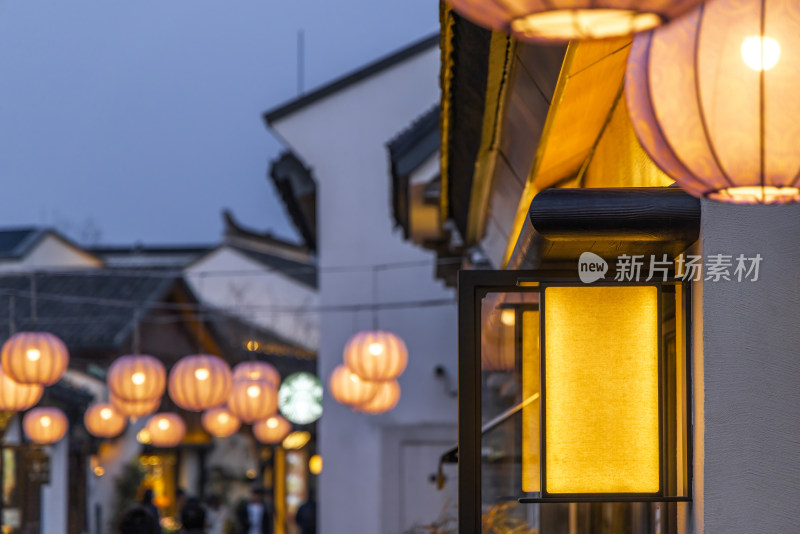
x,y
166,429
16,397
220,422
199,382
385,399
349,389
315,464
256,370
376,355
251,400
134,408
137,377
104,421
564,20
35,358
45,425
712,100
272,430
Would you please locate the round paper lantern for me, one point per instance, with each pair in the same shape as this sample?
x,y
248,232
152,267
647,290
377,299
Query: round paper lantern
x,y
35,358
166,429
137,377
713,100
350,389
564,20
272,430
16,397
385,399
376,355
256,370
104,421
134,408
199,382
220,422
45,425
251,400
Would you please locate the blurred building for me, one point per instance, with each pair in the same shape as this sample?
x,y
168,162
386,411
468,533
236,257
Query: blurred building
x,y
349,144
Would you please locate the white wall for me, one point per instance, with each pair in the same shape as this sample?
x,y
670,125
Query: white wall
x,y
54,501
342,138
750,462
248,285
51,253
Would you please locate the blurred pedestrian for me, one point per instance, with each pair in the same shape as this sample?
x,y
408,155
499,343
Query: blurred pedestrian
x,y
216,515
138,520
148,504
306,517
255,516
193,517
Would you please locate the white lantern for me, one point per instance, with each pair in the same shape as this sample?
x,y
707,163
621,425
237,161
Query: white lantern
x,y
251,400
376,355
137,377
199,382
220,422
350,389
35,358
256,370
45,425
272,430
166,429
134,408
16,397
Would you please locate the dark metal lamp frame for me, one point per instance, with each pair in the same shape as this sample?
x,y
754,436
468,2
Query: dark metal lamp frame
x,y
473,286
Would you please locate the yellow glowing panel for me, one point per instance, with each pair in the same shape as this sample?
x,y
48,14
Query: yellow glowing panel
x,y
531,479
601,386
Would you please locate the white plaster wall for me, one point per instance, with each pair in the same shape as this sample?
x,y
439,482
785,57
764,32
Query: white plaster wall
x,y
51,253
342,138
54,502
230,280
751,355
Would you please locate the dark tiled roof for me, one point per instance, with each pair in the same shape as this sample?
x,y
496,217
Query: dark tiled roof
x,y
90,311
298,190
407,151
15,242
352,78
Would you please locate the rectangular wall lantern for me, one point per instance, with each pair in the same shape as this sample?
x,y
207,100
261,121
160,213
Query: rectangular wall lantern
x,y
572,392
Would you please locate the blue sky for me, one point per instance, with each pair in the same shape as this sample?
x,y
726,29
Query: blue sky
x,y
141,120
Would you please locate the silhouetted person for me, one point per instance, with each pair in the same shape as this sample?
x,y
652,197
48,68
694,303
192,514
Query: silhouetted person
x,y
255,516
138,520
306,517
216,514
147,504
193,517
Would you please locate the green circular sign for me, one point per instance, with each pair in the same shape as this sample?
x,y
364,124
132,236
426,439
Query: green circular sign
x,y
300,398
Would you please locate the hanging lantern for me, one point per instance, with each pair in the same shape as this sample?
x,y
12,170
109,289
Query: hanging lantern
x,y
137,377
712,100
134,409
349,389
220,422
251,400
385,399
103,421
564,20
256,370
16,397
35,358
45,425
272,430
166,429
376,355
199,382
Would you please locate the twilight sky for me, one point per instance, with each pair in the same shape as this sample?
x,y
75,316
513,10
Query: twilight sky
x,y
141,120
